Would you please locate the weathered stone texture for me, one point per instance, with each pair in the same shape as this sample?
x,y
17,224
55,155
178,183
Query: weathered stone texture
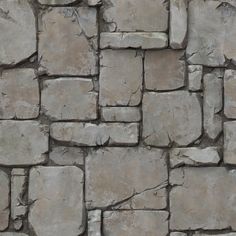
x,y
94,223
170,78
13,234
173,117
57,193
56,2
120,78
117,176
195,73
69,99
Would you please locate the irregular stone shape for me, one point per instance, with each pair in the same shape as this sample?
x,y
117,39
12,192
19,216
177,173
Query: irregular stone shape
x,y
194,156
69,99
17,21
212,104
133,223
216,185
57,193
120,78
211,37
94,2
87,134
56,2
23,143
19,94
94,223
144,40
64,47
178,234
136,15
123,114
178,23
229,93
115,175
67,156
171,117
169,79
4,200
195,77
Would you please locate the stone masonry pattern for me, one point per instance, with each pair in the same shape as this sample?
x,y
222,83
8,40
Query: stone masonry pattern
x,y
117,117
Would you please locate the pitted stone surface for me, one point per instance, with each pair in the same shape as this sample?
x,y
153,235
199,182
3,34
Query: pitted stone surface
x,y
195,73
94,223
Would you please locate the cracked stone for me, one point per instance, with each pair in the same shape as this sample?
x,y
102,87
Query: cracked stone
x,y
19,94
56,2
216,186
178,23
66,41
212,104
18,41
143,40
133,223
79,104
194,156
173,117
57,196
94,223
120,78
23,143
138,15
169,79
88,134
195,77
117,177
212,32
229,93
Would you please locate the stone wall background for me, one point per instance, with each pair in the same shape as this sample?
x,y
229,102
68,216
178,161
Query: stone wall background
x,y
117,117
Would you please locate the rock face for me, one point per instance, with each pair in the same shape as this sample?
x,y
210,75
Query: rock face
x,y
57,193
195,77
171,117
211,32
138,15
56,2
69,99
120,84
18,41
94,223
118,175
215,185
19,94
68,28
169,79
23,143
149,223
13,234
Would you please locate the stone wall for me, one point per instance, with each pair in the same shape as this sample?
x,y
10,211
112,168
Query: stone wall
x,y
117,117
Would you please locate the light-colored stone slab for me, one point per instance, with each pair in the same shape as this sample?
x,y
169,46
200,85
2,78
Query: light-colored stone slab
x,y
87,134
23,143
133,223
143,40
120,78
94,223
117,176
94,2
56,2
170,78
19,94
13,234
69,99
171,117
203,198
17,21
194,156
178,234
195,73
57,196
64,47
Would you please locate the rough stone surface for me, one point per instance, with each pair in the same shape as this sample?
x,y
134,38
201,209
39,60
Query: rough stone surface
x,y
19,94
194,156
151,40
57,193
178,23
173,117
132,223
216,185
178,234
138,15
13,234
23,143
195,77
18,41
120,84
69,99
88,134
56,2
94,2
172,77
94,223
64,47
123,114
